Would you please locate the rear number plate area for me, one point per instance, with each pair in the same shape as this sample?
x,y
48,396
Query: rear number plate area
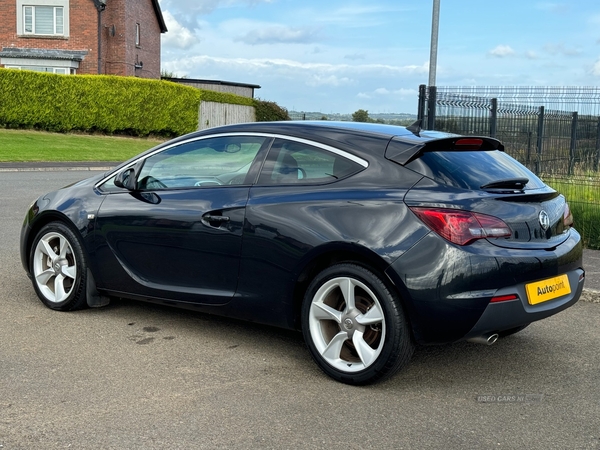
x,y
548,289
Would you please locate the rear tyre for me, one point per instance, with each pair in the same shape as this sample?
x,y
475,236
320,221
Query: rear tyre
x,y
58,268
354,326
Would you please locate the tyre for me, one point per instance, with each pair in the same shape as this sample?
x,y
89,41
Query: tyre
x,y
354,326
58,268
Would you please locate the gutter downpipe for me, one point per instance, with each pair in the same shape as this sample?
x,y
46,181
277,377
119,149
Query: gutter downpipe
x,y
100,6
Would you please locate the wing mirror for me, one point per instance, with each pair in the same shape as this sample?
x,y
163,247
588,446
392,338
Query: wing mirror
x,y
126,179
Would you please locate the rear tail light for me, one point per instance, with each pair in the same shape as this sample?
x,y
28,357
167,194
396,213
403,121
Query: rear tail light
x,y
567,217
462,227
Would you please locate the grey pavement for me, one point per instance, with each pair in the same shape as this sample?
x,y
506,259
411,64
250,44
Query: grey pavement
x,y
135,375
591,258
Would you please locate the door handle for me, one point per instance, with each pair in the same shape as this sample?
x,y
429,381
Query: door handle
x,y
211,218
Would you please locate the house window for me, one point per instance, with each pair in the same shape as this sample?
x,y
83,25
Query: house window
x,y
137,34
58,70
43,20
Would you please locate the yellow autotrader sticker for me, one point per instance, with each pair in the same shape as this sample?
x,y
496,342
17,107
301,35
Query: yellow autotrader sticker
x,y
548,289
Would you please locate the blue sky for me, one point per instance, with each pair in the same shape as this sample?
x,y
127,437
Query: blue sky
x,y
337,56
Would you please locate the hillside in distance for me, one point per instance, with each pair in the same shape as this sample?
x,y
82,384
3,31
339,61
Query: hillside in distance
x,y
392,118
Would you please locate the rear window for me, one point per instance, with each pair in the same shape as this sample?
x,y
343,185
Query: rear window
x,y
472,169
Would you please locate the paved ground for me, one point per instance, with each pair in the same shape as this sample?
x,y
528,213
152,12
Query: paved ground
x,y
139,376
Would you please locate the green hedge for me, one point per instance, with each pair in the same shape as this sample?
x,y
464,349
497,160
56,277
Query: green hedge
x,y
224,97
103,103
110,104
269,111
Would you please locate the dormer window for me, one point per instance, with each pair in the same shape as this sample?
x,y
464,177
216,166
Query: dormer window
x,y
43,20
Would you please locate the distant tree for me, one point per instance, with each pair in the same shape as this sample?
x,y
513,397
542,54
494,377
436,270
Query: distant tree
x,y
360,116
168,74
324,118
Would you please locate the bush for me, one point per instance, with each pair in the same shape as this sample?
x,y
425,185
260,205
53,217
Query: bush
x,y
269,111
103,103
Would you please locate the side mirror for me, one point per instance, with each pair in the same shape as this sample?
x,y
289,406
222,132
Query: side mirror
x,y
126,179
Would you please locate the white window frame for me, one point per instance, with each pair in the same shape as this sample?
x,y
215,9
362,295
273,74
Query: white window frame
x,y
138,35
56,70
21,4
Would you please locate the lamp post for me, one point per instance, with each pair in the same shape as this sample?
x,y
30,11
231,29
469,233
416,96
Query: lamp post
x,y
435,24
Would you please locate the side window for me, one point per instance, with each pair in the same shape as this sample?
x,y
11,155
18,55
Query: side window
x,y
201,163
293,162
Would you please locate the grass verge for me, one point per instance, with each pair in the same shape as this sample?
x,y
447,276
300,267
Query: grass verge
x,y
33,146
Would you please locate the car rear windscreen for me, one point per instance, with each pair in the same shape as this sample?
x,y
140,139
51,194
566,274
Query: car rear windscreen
x,y
472,169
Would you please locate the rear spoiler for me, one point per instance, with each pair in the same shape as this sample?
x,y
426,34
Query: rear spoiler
x,y
404,149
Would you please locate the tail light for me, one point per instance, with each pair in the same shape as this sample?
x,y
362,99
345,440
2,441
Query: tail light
x,y
567,217
462,227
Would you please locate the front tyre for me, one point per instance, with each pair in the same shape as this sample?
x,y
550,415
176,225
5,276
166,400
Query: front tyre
x,y
354,326
58,268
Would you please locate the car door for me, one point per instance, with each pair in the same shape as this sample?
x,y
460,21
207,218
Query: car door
x,y
178,234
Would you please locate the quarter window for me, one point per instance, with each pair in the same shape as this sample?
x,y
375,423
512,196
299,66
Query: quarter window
x,y
293,162
44,20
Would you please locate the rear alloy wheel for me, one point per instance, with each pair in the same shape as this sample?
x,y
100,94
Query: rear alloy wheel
x,y
58,268
354,326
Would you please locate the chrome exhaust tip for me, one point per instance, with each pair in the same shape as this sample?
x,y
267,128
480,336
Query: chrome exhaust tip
x,y
486,339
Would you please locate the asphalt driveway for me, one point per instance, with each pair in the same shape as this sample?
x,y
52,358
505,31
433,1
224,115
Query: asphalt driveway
x,y
134,375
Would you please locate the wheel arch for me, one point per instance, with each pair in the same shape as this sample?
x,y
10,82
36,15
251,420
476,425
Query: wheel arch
x,y
41,221
322,257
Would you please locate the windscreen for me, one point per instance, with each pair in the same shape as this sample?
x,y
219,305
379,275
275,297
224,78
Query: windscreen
x,y
472,169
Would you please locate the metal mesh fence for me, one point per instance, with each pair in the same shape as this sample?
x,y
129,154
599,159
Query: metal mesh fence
x,y
554,131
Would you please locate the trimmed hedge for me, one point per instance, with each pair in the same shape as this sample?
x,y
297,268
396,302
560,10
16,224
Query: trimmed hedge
x,y
110,104
269,111
224,97
103,103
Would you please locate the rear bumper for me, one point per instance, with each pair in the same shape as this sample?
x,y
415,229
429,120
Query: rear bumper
x,y
503,316
447,289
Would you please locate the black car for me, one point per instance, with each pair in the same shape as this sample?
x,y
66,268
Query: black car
x,y
369,238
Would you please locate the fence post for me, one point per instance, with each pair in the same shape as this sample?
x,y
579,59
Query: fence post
x,y
597,159
540,141
528,157
494,117
421,106
431,103
573,145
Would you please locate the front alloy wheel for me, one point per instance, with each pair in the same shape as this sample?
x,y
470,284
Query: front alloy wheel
x,y
58,268
354,326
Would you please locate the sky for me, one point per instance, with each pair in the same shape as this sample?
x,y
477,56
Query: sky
x,y
338,56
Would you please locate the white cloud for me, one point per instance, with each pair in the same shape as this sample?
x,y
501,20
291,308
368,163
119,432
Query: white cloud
x,y
381,91
596,69
561,49
279,35
178,36
395,92
531,55
205,6
502,51
328,80
552,7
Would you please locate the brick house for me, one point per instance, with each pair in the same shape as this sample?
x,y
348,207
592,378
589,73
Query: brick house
x,y
113,37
